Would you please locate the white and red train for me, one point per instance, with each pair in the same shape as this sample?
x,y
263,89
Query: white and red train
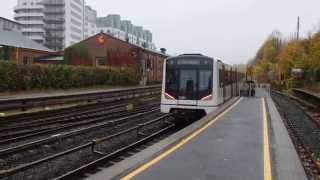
x,y
197,84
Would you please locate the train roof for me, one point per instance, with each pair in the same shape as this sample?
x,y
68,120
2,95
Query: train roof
x,y
198,55
190,56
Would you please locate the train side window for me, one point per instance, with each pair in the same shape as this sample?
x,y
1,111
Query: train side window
x,y
226,77
221,78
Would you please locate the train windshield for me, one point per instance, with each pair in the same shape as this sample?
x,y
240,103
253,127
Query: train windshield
x,y
189,79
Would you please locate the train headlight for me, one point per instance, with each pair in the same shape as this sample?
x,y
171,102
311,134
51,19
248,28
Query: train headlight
x,y
207,98
168,96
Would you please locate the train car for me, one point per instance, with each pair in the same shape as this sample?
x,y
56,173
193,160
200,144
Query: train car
x,y
194,83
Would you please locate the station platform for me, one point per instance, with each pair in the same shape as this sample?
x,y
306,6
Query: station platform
x,y
53,93
246,140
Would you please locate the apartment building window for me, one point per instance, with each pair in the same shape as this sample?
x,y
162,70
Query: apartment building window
x,y
75,14
75,22
76,7
75,37
74,29
78,2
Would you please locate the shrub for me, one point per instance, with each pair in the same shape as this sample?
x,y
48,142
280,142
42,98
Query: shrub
x,y
15,77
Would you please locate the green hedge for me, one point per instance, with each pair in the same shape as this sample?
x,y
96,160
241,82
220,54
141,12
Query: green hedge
x,y
15,77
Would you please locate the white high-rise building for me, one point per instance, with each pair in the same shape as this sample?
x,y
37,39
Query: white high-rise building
x,y
90,22
54,23
74,21
30,14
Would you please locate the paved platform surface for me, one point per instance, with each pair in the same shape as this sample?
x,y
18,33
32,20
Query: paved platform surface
x,y
231,147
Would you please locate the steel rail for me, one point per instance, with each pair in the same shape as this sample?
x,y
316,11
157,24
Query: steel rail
x,y
24,103
53,138
71,118
95,119
6,173
108,157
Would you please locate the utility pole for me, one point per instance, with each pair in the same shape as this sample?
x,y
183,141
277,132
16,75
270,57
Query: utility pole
x,y
298,28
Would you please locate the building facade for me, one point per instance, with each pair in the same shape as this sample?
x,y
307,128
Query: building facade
x,y
90,22
125,30
54,17
58,24
54,23
74,21
30,14
9,25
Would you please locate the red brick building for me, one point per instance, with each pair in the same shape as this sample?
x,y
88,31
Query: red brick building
x,y
18,48
103,50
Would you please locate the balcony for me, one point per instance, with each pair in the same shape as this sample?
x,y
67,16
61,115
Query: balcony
x,y
55,28
22,15
54,11
31,22
54,38
27,7
54,20
36,37
35,30
54,4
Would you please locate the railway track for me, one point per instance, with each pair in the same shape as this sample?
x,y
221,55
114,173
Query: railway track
x,y
84,153
108,159
106,123
67,137
74,120
309,102
35,102
303,128
46,116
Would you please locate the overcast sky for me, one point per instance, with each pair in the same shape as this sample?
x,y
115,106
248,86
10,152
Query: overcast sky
x,y
232,30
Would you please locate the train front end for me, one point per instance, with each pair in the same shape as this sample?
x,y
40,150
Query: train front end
x,y
187,86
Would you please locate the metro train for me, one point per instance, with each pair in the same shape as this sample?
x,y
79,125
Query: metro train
x,y
197,84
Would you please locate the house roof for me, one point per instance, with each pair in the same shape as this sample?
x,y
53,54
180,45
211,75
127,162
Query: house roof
x,y
6,19
16,39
